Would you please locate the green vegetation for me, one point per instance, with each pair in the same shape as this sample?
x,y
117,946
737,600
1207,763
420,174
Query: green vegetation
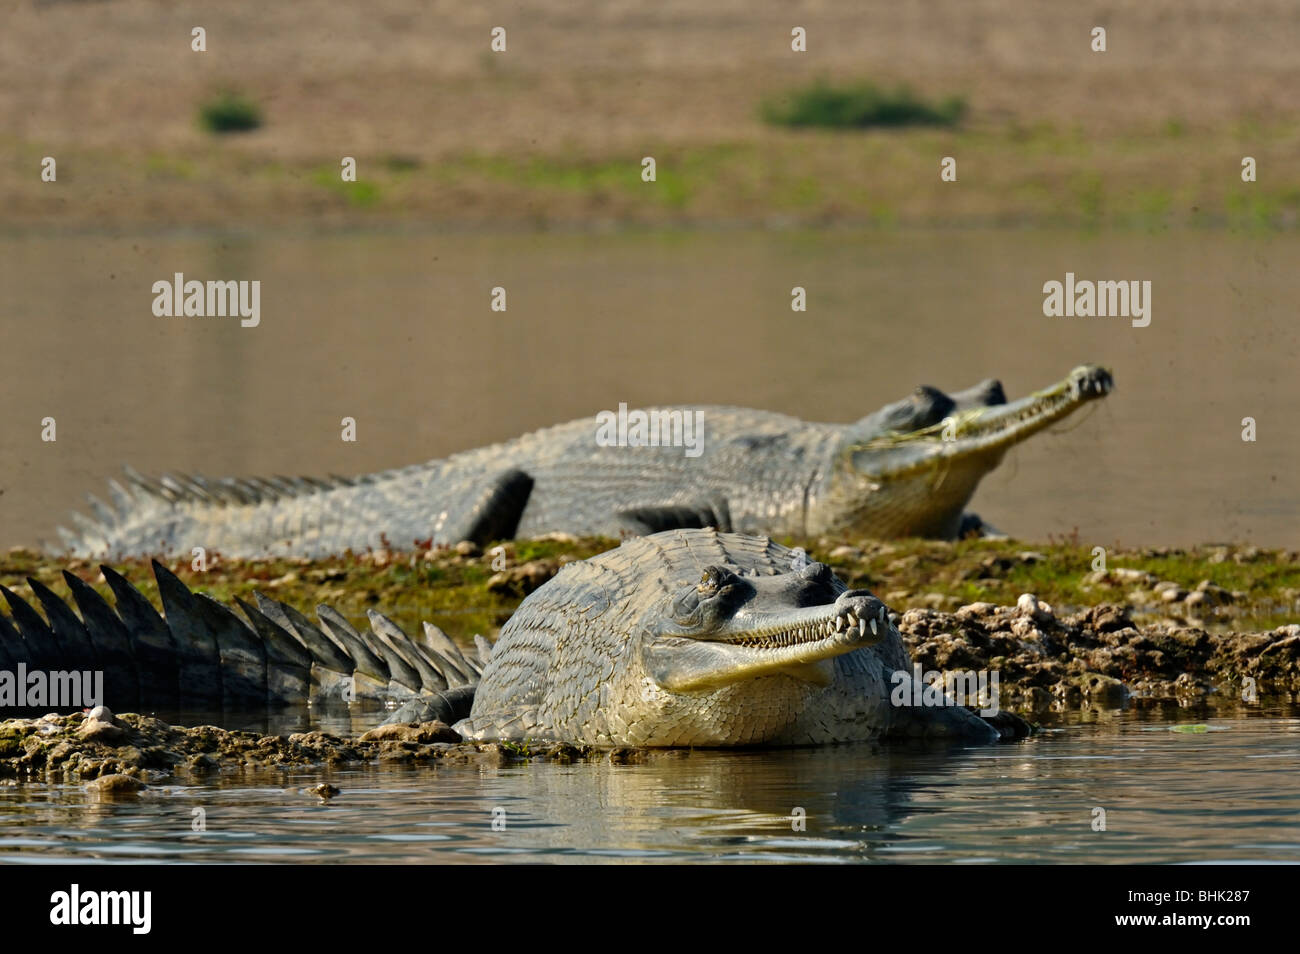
x,y
463,594
1011,174
363,192
860,106
229,112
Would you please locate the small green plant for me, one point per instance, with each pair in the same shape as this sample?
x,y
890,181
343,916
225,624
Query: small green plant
x,y
228,112
860,106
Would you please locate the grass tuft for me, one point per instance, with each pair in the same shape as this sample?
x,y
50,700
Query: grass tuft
x,y
229,112
860,106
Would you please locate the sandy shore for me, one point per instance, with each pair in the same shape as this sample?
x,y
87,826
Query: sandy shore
x,y
552,131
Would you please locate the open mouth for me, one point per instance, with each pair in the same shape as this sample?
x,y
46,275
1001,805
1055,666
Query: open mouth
x,y
838,622
800,642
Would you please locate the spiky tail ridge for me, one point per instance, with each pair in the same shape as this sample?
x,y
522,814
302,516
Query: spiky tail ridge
x,y
199,654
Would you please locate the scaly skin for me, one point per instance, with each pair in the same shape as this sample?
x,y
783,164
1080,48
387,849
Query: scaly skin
x,y
681,638
908,469
700,638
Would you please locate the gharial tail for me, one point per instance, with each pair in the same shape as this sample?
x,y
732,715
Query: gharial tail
x,y
202,655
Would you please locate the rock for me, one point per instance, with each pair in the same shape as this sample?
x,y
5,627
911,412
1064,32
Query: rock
x,y
114,785
399,732
1175,595
1025,629
100,714
423,733
493,753
627,755
1036,699
522,580
467,548
1127,575
104,732
1215,595
558,536
325,791
1030,606
201,763
977,610
1103,618
845,552
1098,687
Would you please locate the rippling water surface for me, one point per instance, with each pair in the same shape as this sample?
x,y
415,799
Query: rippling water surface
x,y
1220,789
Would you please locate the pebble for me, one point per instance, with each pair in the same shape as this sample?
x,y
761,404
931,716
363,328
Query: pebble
x,y
115,785
1031,607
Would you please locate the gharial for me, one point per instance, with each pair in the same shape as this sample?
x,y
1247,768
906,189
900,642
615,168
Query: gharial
x,y
681,638
907,469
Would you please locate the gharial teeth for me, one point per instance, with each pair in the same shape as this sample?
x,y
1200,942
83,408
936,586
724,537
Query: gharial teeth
x,y
839,624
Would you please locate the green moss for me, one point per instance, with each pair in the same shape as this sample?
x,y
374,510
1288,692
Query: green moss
x,y
362,192
11,743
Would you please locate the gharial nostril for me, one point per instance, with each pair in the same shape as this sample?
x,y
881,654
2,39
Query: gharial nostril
x,y
1092,379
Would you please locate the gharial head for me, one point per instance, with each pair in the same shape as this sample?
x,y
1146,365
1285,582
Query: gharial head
x,y
743,641
735,625
910,468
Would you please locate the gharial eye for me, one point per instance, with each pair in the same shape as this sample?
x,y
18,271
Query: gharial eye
x,y
818,572
714,580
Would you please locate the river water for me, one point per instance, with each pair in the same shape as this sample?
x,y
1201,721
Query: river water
x,y
1169,785
397,332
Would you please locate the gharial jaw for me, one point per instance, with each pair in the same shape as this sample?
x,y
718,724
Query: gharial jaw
x,y
802,643
916,482
732,628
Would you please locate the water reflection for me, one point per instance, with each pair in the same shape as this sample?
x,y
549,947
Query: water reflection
x,y
1232,793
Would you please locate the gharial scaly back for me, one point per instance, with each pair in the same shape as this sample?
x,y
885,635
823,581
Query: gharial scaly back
x,y
760,463
563,645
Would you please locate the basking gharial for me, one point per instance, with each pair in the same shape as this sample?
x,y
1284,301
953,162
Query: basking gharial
x,y
907,469
681,638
